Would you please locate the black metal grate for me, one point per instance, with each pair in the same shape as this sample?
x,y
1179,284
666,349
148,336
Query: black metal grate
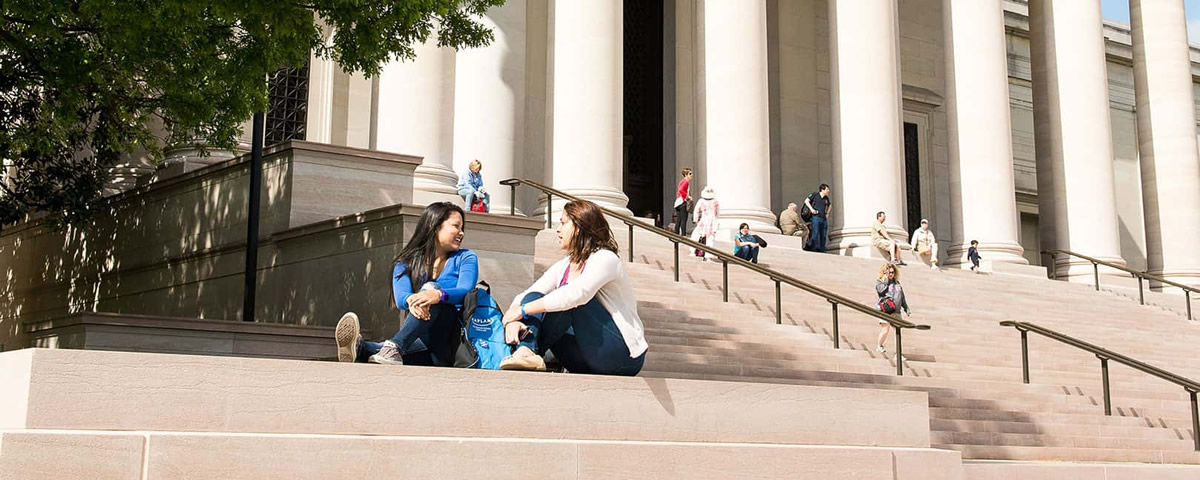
x,y
287,115
912,176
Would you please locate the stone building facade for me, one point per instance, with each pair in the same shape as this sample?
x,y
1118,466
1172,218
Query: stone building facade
x,y
921,108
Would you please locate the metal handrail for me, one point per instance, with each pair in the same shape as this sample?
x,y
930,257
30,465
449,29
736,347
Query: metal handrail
x,y
1140,276
778,277
1104,354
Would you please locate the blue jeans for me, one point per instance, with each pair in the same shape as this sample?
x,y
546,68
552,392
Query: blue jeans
x,y
439,335
584,339
816,240
468,194
747,253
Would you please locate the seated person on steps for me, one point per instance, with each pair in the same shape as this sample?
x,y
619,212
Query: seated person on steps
x,y
430,277
745,244
583,308
881,240
924,244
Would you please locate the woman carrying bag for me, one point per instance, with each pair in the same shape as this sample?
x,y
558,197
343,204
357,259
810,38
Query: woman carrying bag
x,y
891,299
708,209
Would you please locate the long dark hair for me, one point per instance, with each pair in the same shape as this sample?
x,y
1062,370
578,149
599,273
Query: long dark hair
x,y
592,232
421,250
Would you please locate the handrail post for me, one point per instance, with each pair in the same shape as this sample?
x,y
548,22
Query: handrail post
x,y
1195,420
676,260
1054,264
836,336
512,200
630,242
1025,356
899,352
1141,296
778,304
549,207
725,280
1188,296
1096,273
1107,395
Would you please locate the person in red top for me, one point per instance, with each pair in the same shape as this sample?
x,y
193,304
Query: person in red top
x,y
681,202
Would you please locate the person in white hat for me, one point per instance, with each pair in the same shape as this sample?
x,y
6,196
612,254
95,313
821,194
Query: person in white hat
x,y
924,244
708,209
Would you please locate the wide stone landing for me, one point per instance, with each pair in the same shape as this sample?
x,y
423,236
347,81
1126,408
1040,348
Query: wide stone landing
x,y
91,414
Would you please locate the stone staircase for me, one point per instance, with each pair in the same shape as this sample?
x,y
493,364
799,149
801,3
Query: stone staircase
x,y
969,365
138,416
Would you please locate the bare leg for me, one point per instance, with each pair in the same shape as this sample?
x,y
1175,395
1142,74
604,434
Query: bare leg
x,y
884,328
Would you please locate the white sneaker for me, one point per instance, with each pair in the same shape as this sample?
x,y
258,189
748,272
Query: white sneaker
x,y
880,349
389,354
347,337
934,267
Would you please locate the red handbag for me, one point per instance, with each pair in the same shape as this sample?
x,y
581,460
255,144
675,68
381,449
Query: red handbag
x,y
887,305
477,206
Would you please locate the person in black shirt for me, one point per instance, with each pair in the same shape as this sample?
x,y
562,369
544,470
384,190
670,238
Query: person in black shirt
x,y
817,206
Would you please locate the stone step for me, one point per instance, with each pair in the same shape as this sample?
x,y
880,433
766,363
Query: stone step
x,y
183,455
92,390
1009,470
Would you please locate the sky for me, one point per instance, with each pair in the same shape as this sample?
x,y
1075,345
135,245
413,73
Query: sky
x,y
1119,10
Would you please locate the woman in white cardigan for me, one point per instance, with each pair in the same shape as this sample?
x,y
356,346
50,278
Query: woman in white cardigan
x,y
582,308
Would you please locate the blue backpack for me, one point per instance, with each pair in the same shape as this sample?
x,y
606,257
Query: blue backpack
x,y
482,339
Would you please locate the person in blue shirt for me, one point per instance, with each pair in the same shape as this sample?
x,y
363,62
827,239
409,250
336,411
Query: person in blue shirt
x,y
470,186
746,245
431,276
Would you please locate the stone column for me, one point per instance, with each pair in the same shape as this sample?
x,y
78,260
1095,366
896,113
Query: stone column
x,y
584,100
1166,127
734,98
1076,198
416,117
489,103
867,145
982,204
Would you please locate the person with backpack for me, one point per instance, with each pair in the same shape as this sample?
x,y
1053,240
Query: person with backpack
x,y
430,277
891,299
816,209
583,308
470,188
791,224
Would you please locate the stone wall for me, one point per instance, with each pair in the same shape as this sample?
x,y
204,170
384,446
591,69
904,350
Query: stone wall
x,y
176,247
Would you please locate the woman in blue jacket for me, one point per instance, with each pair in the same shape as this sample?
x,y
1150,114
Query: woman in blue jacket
x,y
431,276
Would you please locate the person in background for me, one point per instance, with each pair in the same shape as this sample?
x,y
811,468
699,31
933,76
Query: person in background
x,y
430,277
583,308
746,245
973,255
881,240
923,243
470,186
707,213
818,204
681,202
791,224
887,286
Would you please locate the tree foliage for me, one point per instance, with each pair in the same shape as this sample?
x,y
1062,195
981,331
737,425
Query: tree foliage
x,y
82,80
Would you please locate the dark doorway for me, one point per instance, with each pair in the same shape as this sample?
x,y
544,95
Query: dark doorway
x,y
643,106
912,177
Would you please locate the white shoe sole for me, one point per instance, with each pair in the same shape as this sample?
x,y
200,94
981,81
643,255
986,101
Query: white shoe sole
x,y
346,336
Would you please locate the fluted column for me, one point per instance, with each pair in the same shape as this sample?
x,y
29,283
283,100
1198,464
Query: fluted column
x,y
734,99
584,90
489,102
982,204
416,117
867,146
1076,198
1166,138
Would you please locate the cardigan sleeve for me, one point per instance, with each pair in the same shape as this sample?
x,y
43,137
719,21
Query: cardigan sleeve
x,y
401,285
601,268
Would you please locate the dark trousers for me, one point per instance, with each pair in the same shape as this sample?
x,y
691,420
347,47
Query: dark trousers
x,y
747,253
439,335
817,237
584,339
681,215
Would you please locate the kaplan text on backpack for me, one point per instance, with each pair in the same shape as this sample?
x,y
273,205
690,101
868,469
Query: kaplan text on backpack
x,y
481,337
